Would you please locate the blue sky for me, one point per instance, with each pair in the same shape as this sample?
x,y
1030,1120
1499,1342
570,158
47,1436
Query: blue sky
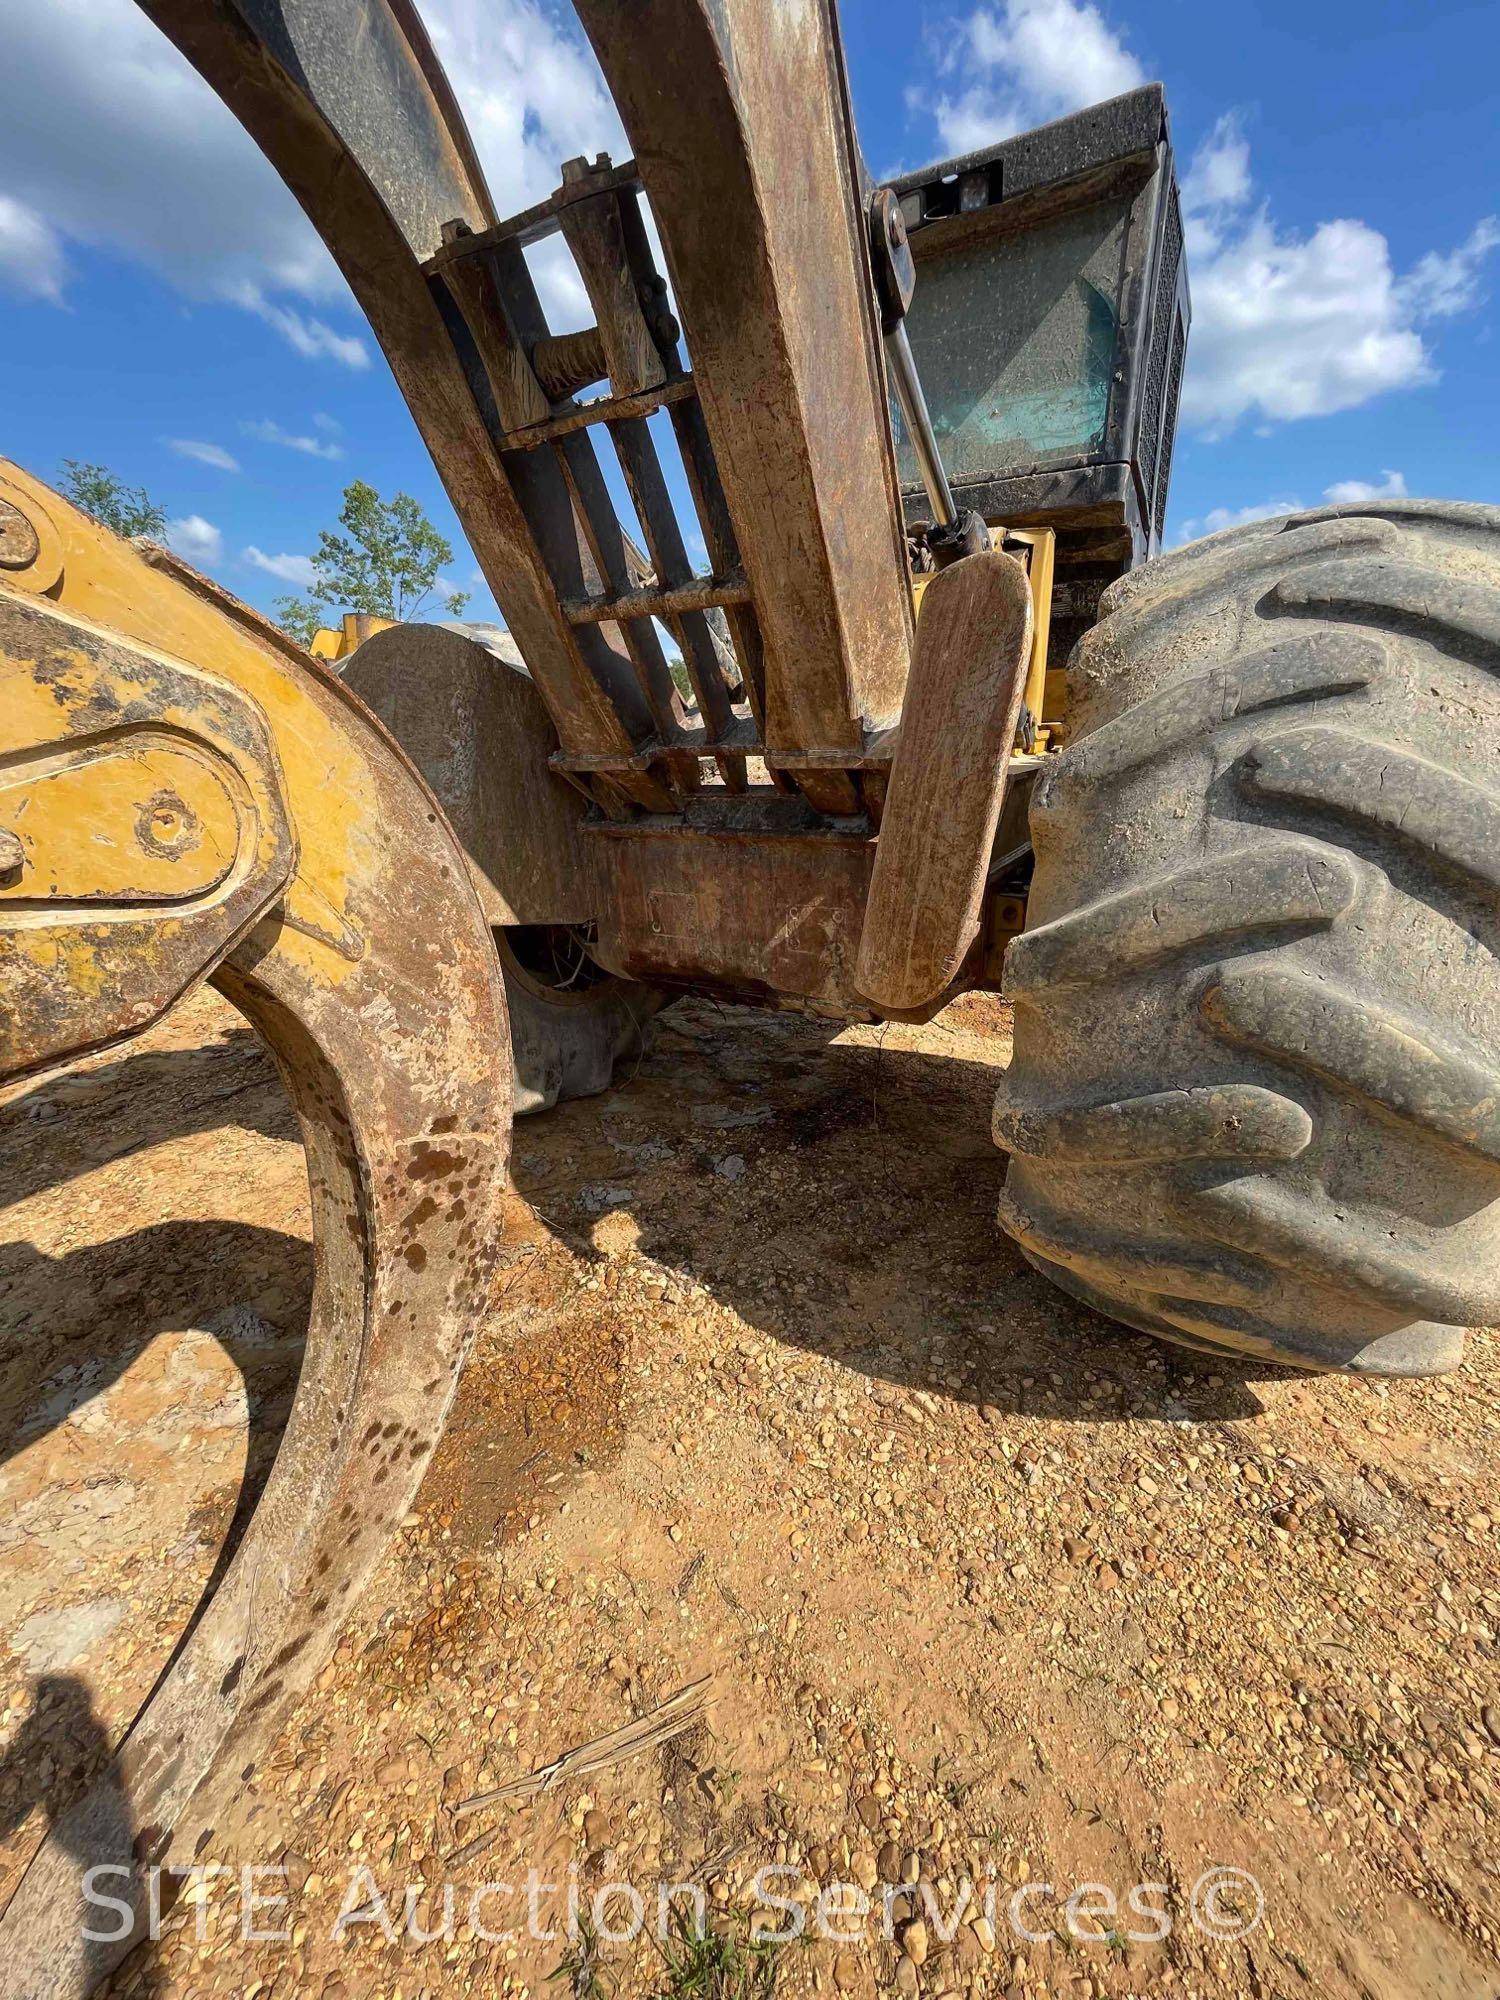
x,y
166,311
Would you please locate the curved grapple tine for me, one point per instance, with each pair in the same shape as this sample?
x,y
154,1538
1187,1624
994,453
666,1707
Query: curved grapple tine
x,y
263,830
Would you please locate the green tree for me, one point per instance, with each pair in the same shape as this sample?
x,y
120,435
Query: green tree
x,y
129,510
386,563
299,616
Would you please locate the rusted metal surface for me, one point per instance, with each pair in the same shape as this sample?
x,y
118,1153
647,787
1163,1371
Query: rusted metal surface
x,y
521,399
755,898
345,930
767,244
372,73
704,643
609,567
797,644
336,172
475,727
756,914
602,410
565,362
701,594
719,539
581,541
593,225
535,224
943,800
735,112
630,294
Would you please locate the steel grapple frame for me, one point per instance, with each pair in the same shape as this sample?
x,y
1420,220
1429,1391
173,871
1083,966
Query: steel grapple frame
x,y
760,775
762,780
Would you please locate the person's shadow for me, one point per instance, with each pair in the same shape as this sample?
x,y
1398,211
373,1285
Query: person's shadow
x,y
170,1275
60,1750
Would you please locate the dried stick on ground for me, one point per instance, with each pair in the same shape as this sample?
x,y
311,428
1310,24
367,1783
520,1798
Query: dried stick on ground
x,y
673,1717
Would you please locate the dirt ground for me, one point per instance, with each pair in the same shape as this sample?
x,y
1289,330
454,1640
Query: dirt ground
x,y
987,1594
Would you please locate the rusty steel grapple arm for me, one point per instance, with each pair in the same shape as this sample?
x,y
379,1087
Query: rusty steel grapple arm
x,y
743,146
184,795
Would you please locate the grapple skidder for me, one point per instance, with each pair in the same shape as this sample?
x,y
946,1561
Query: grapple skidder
x,y
1238,869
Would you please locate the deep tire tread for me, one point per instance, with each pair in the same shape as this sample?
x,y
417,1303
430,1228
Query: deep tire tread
x,y
1321,1245
1261,988
1213,1273
1399,1062
1448,819
1283,676
1227,1121
1458,617
1286,886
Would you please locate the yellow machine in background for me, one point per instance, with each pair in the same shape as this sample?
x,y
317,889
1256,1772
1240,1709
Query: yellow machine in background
x,y
339,642
1042,701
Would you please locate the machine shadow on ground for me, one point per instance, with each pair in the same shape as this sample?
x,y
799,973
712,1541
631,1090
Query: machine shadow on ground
x,y
78,1121
60,1349
837,1194
840,1195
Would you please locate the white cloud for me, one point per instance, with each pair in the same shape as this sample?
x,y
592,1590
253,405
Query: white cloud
x,y
1217,183
195,540
532,96
1288,326
109,138
289,569
1024,63
1443,283
267,432
1217,519
1391,486
205,454
32,261
1343,492
312,338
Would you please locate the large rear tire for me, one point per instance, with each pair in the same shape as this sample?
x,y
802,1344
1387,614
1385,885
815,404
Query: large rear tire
x,y
1255,1101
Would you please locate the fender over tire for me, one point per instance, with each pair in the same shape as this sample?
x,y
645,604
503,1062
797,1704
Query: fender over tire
x,y
463,708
